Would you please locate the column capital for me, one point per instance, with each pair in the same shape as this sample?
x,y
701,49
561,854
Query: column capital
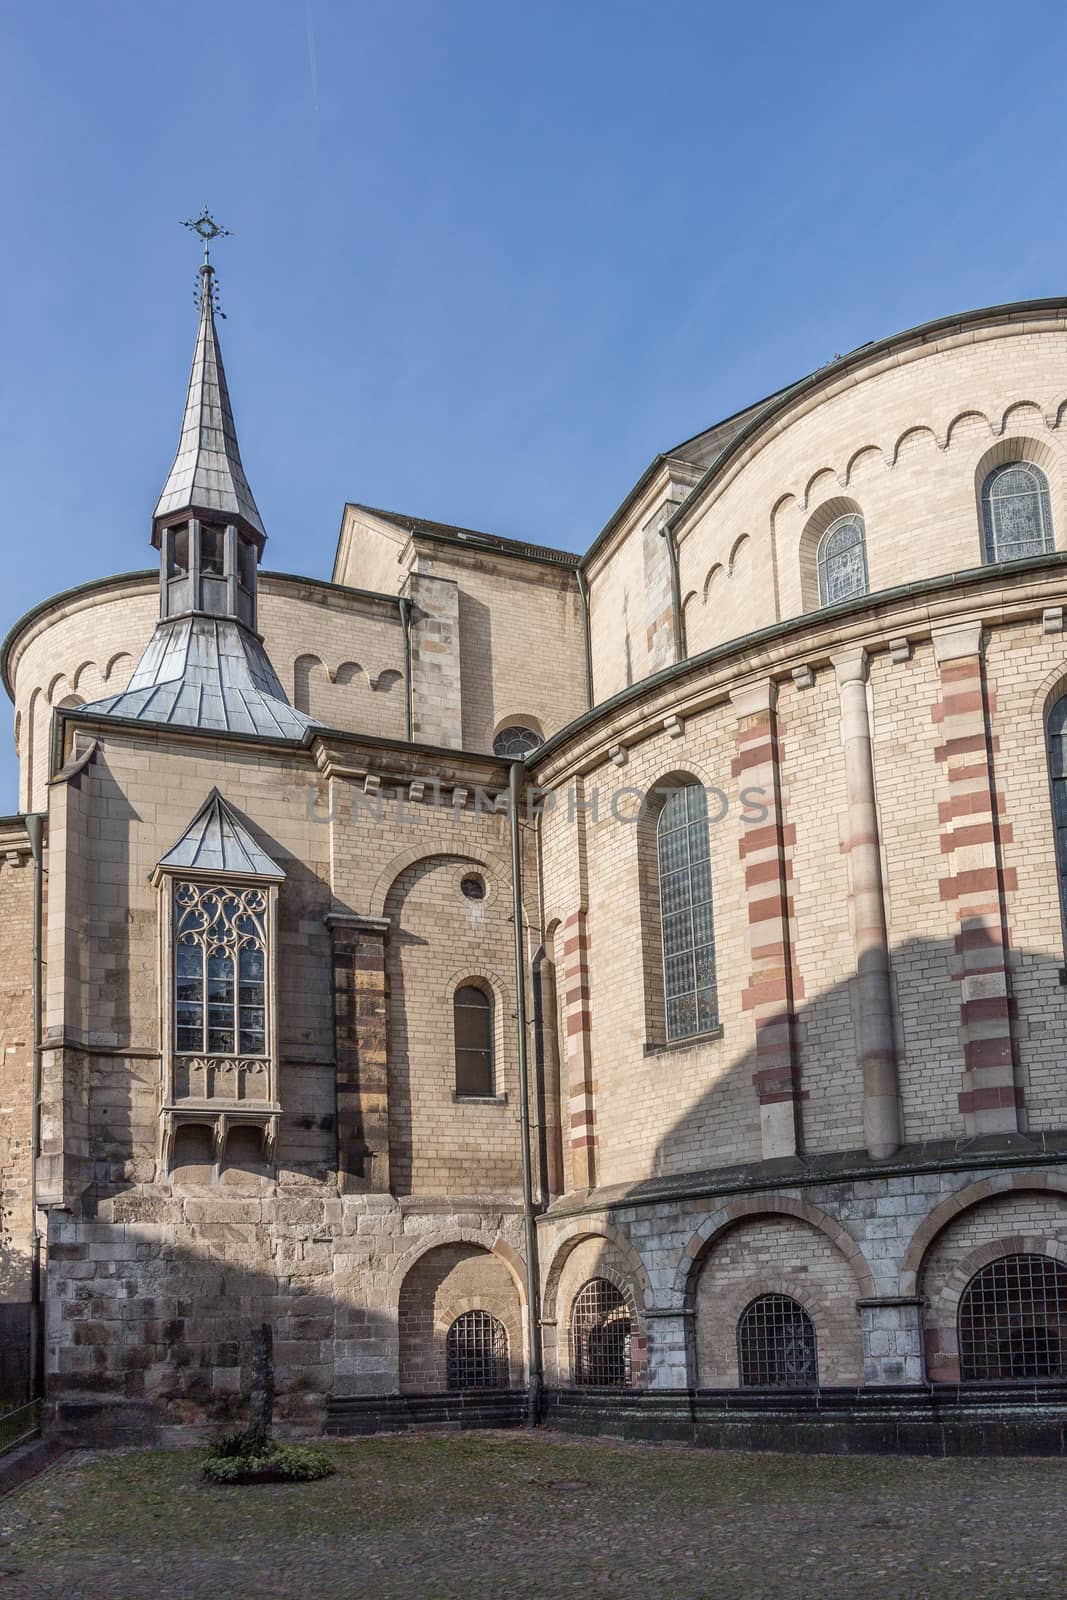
x,y
749,699
958,641
851,665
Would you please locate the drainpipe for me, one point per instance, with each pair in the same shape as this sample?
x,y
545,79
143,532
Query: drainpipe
x,y
35,828
533,1329
584,593
405,622
676,592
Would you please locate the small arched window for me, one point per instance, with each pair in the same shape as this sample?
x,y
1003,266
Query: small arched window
x,y
1013,1320
1016,512
1057,771
601,1328
843,560
686,923
776,1345
516,740
476,1352
472,1011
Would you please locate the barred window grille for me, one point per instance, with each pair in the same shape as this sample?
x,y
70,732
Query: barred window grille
x,y
600,1335
843,560
686,921
1016,512
476,1350
776,1346
220,952
1013,1321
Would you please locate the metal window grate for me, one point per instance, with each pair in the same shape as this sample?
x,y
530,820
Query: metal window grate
x,y
1013,1320
476,1351
600,1335
776,1345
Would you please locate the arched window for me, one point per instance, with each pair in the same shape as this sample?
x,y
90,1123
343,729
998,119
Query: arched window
x,y
516,741
843,560
1057,771
600,1335
1013,1320
472,1010
686,923
1016,512
476,1352
776,1345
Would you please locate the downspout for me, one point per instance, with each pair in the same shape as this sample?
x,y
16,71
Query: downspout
x,y
680,651
35,829
533,1325
405,623
584,593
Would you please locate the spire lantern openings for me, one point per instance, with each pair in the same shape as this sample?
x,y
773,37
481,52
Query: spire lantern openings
x,y
206,523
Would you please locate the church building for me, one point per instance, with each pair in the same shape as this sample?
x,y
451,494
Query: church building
x,y
626,990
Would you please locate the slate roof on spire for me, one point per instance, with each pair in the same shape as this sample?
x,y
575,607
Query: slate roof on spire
x,y
217,841
207,672
207,474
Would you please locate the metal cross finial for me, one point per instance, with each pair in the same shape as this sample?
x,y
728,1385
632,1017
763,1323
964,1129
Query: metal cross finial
x,y
208,229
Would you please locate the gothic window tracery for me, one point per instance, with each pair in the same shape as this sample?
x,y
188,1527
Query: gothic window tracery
x,y
220,948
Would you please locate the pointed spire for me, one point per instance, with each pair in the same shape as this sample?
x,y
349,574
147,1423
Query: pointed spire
x,y
207,477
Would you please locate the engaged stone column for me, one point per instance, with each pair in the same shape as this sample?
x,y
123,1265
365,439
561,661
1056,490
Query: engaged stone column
x,y
877,1049
774,985
976,882
892,1340
361,1020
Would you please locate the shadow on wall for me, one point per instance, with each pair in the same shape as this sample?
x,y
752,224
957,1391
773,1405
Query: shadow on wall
x,y
735,1249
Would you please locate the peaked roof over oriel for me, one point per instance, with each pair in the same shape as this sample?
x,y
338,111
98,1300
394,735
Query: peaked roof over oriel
x,y
217,841
207,475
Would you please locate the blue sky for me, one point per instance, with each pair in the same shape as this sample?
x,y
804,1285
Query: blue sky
x,y
487,259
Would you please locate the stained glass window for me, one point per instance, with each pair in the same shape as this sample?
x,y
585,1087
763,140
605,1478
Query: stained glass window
x,y
516,741
1057,766
686,921
1016,513
843,560
220,995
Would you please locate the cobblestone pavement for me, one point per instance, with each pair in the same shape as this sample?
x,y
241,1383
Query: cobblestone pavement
x,y
532,1516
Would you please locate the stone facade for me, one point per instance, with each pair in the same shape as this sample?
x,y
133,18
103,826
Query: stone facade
x,y
874,1107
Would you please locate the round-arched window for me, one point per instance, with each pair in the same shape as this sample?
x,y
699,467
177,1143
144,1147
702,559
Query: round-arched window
x,y
843,560
476,1352
600,1335
472,1012
1013,1321
776,1345
687,926
1016,512
516,740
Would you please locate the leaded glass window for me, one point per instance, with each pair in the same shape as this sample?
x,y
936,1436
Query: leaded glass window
x,y
1013,1321
1016,513
473,1017
516,741
220,953
843,560
776,1345
1057,769
686,921
476,1352
601,1330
